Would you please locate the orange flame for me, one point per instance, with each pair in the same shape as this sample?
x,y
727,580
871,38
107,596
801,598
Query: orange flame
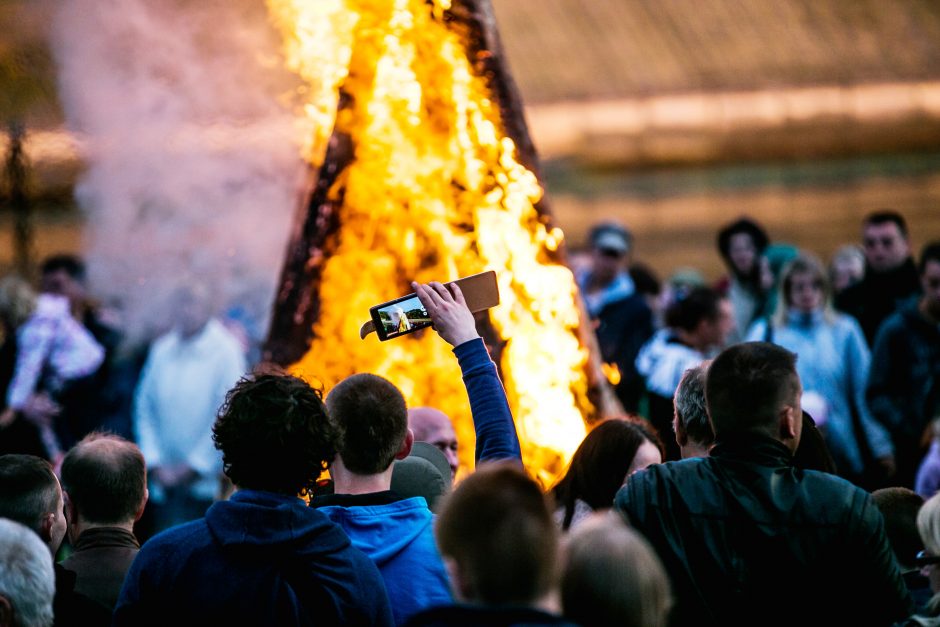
x,y
435,192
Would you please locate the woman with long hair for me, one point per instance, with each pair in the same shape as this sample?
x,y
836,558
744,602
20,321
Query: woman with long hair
x,y
608,455
833,363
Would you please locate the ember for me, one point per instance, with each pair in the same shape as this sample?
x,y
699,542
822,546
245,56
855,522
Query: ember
x,y
425,172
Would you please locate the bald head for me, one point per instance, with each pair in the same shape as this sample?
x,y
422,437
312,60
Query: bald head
x,y
105,479
434,427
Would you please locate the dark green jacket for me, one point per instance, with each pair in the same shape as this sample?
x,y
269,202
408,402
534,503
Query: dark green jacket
x,y
748,539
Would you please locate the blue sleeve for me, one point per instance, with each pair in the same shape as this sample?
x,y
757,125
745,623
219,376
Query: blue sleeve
x,y
492,420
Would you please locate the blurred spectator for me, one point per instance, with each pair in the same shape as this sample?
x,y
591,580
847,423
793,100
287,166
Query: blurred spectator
x,y
30,495
624,319
697,325
604,461
928,526
99,400
262,557
900,507
497,537
890,276
833,366
693,430
27,580
612,576
846,268
742,244
182,386
105,485
434,427
735,528
53,351
927,482
904,385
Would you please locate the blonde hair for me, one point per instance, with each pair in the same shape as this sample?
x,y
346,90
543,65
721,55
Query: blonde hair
x,y
612,576
804,263
17,301
928,524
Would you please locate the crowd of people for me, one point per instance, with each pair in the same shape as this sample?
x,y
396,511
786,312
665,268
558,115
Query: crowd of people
x,y
777,461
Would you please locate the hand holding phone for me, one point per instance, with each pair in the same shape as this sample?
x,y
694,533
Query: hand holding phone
x,y
409,313
449,312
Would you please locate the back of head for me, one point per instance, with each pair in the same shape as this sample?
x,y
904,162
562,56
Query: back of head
x,y
747,385
601,462
497,528
27,578
371,420
17,301
701,303
691,410
886,216
274,434
105,478
28,490
899,507
612,577
928,524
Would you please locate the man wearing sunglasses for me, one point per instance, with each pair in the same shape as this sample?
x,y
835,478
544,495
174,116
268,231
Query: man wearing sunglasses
x,y
890,275
623,320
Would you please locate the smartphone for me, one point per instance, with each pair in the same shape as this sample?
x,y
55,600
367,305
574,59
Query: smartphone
x,y
406,314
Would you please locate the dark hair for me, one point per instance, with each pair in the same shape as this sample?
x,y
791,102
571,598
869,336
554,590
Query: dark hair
x,y
691,411
746,385
899,507
70,264
498,528
884,216
645,279
28,489
931,252
371,420
746,226
274,434
105,477
601,462
812,453
701,303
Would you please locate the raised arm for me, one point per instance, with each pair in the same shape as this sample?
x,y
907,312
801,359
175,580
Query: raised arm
x,y
496,436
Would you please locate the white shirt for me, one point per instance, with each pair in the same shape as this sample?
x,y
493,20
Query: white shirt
x,y
182,387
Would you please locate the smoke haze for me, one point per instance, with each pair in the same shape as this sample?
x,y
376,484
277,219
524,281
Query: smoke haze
x,y
191,151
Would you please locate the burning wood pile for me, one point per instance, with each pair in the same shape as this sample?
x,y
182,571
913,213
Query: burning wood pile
x,y
422,169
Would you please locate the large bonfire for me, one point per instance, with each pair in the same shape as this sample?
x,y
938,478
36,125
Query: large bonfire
x,y
423,171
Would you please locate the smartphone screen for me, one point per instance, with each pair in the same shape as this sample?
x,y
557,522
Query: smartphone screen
x,y
400,316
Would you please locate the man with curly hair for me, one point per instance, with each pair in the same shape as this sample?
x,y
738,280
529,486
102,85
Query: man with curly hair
x,y
263,557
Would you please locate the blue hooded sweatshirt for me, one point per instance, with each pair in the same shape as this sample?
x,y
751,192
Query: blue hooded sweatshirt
x,y
257,559
398,536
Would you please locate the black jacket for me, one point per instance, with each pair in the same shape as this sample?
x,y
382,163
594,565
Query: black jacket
x,y
878,295
748,539
904,381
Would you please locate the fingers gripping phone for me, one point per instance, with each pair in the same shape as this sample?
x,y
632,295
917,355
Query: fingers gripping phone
x,y
406,314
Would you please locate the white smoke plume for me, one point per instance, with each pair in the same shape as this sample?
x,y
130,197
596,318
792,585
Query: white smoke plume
x,y
192,157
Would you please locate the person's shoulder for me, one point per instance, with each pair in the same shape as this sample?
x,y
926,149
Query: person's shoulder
x,y
833,495
181,539
647,486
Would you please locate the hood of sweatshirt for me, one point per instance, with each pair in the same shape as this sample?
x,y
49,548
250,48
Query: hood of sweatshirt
x,y
385,531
